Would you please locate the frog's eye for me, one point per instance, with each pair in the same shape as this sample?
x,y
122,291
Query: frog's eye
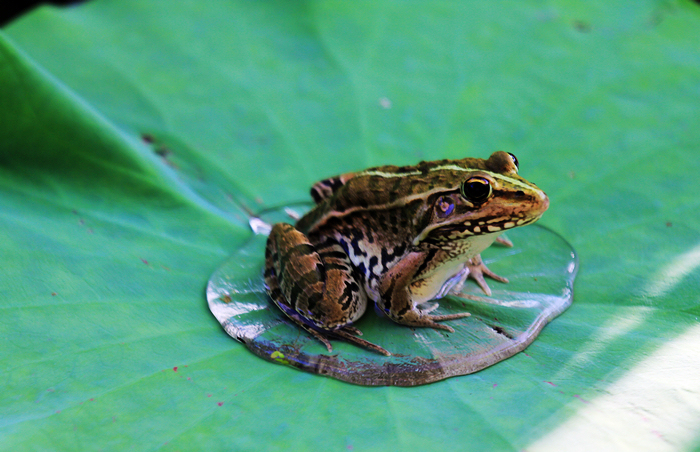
x,y
476,189
515,160
444,207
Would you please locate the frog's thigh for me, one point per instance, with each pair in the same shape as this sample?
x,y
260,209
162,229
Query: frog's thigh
x,y
317,282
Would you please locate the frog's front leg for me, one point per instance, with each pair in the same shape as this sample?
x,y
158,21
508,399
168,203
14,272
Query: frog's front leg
x,y
396,299
477,271
314,285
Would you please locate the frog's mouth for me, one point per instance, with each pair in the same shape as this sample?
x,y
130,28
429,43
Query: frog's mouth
x,y
466,229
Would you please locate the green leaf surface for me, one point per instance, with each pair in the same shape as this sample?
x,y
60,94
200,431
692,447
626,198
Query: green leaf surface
x,y
135,136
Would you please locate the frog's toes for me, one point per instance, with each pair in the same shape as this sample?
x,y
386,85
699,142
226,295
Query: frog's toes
x,y
430,321
345,334
503,240
477,271
442,318
320,338
352,330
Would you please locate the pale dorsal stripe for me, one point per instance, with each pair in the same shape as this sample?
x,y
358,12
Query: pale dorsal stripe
x,y
447,168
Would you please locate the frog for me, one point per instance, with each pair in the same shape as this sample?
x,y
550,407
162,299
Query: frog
x,y
401,237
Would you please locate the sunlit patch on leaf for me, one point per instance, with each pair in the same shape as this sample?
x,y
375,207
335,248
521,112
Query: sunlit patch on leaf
x,y
541,268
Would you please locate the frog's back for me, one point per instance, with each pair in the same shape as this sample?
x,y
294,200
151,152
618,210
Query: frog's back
x,y
385,186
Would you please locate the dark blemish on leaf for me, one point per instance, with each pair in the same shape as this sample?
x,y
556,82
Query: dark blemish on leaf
x,y
189,378
225,298
92,400
144,261
58,411
175,369
494,385
668,223
219,403
53,294
534,278
163,151
550,383
501,331
583,27
581,398
148,138
208,395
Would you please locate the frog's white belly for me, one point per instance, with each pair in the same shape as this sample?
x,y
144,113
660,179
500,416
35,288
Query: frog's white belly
x,y
436,283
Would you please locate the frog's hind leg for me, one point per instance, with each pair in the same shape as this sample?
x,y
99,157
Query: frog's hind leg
x,y
347,334
315,286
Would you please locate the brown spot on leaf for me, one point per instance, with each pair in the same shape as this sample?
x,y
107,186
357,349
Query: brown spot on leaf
x,y
582,26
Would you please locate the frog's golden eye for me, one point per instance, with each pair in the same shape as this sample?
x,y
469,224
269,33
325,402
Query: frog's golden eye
x,y
476,189
515,160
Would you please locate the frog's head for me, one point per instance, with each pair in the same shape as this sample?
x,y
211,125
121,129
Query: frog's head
x,y
485,197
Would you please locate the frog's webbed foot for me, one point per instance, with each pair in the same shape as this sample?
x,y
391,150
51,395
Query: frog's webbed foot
x,y
477,271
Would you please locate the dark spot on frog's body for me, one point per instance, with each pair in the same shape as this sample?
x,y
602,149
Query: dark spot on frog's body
x,y
349,294
355,237
356,248
333,255
313,300
389,257
362,268
343,244
431,254
373,261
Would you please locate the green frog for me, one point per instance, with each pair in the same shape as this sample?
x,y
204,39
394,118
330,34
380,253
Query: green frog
x,y
399,236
